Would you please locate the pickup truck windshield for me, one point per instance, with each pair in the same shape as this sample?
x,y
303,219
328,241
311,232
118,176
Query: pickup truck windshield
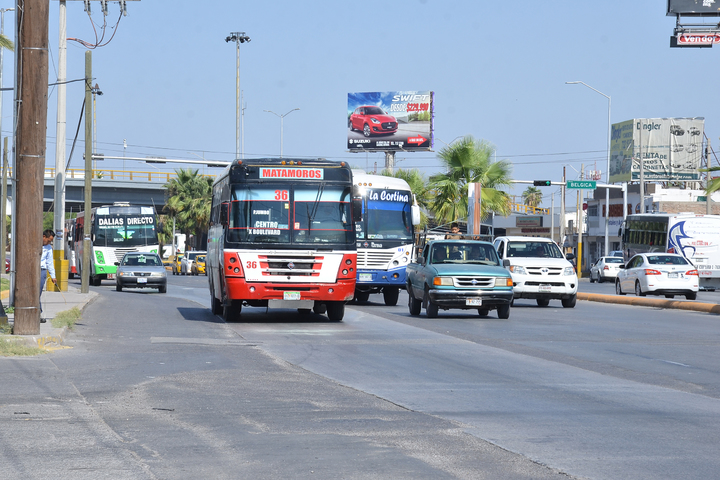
x,y
533,249
464,253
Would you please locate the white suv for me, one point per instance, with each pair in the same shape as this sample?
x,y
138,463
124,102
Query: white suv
x,y
539,269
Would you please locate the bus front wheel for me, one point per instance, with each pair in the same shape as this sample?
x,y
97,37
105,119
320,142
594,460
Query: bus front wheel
x,y
390,295
231,313
335,311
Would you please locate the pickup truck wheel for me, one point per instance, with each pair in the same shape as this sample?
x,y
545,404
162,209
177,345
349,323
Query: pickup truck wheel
x,y
483,312
543,302
319,308
390,295
569,302
431,310
503,311
414,305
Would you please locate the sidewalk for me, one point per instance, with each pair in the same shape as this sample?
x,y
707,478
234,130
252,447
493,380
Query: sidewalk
x,y
53,303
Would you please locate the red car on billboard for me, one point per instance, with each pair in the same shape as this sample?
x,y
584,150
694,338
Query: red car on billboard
x,y
372,120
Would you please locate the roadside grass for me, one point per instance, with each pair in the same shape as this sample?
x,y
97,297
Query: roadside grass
x,y
67,318
11,348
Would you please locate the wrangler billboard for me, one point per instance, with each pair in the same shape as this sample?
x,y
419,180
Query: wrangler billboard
x,y
670,149
380,121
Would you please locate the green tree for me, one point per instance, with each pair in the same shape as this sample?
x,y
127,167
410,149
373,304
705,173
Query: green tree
x,y
469,161
189,200
532,196
418,186
5,42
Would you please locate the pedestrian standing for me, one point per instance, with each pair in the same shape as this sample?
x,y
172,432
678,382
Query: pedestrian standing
x,y
47,264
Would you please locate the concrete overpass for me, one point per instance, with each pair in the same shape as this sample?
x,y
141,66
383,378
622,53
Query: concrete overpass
x,y
108,186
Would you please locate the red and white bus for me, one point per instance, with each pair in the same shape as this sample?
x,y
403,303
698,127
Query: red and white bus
x,y
282,235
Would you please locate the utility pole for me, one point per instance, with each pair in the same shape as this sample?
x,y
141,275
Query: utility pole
x,y
59,215
86,265
562,214
390,162
708,200
579,226
3,213
31,82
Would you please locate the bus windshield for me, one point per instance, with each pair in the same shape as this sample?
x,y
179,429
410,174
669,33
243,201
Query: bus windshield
x,y
124,230
285,213
387,216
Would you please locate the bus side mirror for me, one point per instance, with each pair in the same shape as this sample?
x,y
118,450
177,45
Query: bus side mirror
x,y
357,209
224,214
415,210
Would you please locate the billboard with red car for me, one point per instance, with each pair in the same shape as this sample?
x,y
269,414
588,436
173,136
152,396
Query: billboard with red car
x,y
380,121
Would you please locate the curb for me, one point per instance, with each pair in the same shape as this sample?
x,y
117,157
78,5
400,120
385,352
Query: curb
x,y
651,302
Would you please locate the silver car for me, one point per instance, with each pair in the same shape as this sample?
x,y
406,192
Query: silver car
x,y
141,270
605,269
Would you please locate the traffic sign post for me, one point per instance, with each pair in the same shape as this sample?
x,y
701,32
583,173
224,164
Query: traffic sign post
x,y
584,184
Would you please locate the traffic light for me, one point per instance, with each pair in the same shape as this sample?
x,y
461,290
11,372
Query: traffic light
x,y
542,183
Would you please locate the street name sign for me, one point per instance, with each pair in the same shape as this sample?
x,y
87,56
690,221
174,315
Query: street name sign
x,y
586,184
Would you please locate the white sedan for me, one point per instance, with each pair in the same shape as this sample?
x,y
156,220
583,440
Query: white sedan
x,y
606,268
666,274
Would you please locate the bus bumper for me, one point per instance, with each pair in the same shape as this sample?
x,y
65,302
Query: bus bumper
x,y
239,289
375,280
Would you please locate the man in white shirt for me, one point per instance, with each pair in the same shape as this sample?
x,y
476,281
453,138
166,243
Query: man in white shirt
x,y
47,264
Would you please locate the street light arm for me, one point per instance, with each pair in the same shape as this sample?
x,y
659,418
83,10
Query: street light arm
x,y
591,88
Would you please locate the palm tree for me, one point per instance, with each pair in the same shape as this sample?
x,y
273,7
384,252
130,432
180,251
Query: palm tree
x,y
469,161
5,42
189,201
418,186
532,196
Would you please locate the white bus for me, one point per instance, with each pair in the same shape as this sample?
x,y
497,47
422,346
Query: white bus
x,y
115,230
384,235
694,236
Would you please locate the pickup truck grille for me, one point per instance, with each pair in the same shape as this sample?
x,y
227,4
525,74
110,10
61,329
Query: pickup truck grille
x,y
549,270
474,282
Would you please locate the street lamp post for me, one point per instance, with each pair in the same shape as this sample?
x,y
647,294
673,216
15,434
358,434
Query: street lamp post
x,y
238,38
607,172
281,126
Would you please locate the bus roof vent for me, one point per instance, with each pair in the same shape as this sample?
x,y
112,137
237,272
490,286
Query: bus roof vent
x,y
121,204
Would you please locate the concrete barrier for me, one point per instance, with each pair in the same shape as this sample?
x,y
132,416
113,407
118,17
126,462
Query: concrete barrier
x,y
651,302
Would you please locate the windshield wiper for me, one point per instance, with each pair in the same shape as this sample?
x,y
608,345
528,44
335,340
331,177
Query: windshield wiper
x,y
316,204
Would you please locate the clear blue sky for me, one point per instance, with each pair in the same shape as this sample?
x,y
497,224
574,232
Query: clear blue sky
x,y
498,70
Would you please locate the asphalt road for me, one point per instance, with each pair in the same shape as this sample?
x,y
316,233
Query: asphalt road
x,y
157,387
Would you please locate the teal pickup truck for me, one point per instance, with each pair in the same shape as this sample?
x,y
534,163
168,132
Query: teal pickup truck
x,y
464,274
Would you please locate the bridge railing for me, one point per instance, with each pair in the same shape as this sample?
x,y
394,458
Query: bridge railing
x,y
520,208
122,175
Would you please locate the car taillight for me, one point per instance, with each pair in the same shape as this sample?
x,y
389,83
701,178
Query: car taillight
x,y
233,265
692,272
606,267
650,271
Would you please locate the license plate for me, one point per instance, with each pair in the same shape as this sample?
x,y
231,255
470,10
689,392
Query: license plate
x,y
545,288
111,276
142,280
366,277
475,302
291,295
672,275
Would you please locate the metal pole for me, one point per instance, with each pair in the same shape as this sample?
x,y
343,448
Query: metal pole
x,y
237,99
282,118
642,174
708,200
562,214
579,227
87,233
607,180
552,217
